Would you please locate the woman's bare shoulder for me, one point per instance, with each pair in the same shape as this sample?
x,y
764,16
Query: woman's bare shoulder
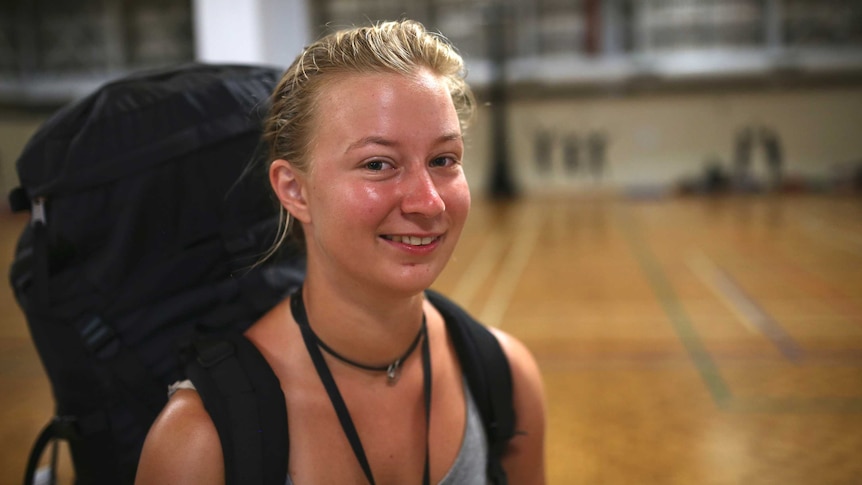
x,y
524,460
182,445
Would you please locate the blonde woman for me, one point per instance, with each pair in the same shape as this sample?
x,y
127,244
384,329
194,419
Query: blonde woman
x,y
366,137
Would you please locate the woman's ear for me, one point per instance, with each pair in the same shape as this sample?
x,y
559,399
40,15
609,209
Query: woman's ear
x,y
289,187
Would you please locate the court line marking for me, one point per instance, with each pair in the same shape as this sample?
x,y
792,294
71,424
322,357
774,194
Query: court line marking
x,y
743,305
479,269
677,316
704,269
529,224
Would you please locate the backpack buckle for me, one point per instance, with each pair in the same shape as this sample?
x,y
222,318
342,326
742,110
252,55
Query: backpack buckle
x,y
98,337
37,212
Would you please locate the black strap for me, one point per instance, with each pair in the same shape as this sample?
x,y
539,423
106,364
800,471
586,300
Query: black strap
x,y
297,307
245,401
72,430
486,368
48,435
426,382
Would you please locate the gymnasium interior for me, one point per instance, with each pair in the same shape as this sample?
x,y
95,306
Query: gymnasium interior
x,y
667,211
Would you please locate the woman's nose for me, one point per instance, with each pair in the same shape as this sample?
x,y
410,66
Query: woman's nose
x,y
421,195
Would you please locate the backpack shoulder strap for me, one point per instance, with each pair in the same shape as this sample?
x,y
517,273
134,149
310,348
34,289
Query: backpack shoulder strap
x,y
486,368
244,399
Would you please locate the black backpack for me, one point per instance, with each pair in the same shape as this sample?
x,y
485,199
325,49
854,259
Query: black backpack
x,y
245,401
146,224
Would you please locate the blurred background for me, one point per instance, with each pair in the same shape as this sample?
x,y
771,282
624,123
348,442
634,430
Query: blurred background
x,y
666,210
648,95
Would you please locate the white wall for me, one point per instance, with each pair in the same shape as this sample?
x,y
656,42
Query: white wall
x,y
656,140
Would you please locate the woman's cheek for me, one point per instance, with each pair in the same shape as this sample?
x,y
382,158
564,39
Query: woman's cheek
x,y
460,197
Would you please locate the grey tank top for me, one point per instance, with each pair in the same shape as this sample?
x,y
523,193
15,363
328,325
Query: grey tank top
x,y
469,466
472,459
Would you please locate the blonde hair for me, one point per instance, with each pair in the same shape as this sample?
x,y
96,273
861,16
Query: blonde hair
x,y
388,47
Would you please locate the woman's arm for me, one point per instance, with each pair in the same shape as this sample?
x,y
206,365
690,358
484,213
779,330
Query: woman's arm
x,y
182,446
524,460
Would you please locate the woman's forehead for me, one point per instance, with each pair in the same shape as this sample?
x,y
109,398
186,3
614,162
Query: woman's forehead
x,y
387,101
355,85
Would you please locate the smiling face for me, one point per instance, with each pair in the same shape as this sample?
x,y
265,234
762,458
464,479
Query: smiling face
x,y
385,199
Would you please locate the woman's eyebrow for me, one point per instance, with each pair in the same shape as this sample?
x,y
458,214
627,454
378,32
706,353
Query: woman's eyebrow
x,y
454,136
371,140
380,140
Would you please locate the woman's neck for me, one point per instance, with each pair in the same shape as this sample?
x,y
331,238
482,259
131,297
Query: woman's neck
x,y
365,325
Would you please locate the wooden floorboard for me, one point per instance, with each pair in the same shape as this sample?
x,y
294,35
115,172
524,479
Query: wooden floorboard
x,y
681,340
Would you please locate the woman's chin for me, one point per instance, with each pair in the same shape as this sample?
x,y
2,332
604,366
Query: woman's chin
x,y
414,280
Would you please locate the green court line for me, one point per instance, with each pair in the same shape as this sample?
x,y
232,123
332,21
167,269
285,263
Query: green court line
x,y
679,319
703,362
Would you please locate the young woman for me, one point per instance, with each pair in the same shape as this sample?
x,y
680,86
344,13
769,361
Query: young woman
x,y
365,131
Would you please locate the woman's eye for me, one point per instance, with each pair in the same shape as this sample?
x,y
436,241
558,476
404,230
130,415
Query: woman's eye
x,y
443,162
377,165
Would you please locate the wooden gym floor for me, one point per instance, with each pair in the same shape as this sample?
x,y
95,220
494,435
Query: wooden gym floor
x,y
682,340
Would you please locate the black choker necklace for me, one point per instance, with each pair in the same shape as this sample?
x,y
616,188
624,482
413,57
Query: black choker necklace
x,y
391,370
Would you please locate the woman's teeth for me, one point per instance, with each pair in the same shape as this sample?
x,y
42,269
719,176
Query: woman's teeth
x,y
412,240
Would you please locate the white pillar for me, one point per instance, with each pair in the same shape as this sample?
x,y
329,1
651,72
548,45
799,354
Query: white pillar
x,y
269,32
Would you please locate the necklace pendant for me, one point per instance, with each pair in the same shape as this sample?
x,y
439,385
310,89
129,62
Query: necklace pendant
x,y
392,372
